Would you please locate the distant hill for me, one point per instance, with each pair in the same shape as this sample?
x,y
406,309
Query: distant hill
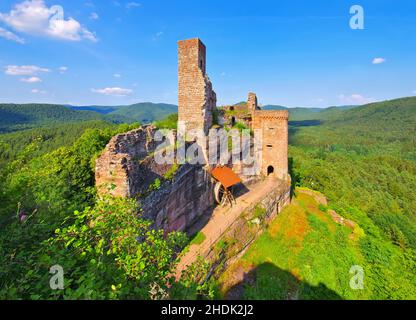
x,y
15,117
48,138
399,111
99,109
302,114
296,114
25,116
145,112
393,122
387,127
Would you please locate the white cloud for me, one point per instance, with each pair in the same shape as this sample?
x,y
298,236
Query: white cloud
x,y
63,69
414,91
35,18
24,70
378,60
117,75
89,35
31,80
223,74
37,91
10,36
355,99
94,16
132,5
115,91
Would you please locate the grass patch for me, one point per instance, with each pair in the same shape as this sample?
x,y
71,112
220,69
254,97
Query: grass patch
x,y
240,126
198,238
259,213
304,254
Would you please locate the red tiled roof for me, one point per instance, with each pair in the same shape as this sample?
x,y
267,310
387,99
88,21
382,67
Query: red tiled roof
x,y
226,176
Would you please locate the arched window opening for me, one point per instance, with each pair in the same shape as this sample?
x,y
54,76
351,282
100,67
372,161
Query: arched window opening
x,y
270,170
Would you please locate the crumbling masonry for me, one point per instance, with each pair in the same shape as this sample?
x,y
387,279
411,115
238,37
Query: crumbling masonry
x,y
185,193
196,99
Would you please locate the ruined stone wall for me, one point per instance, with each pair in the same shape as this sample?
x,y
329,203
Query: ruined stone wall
x,y
241,113
124,168
252,104
127,168
242,234
179,203
247,228
196,99
274,126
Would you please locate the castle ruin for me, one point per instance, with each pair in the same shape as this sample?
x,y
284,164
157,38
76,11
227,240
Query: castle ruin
x,y
185,192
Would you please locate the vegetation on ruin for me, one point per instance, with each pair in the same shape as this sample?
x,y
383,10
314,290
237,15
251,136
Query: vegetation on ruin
x,y
215,117
240,126
171,172
238,112
155,185
198,238
259,212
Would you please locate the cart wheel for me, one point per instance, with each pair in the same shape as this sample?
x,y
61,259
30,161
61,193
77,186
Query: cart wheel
x,y
219,192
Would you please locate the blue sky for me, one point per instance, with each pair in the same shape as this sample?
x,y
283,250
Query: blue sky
x,y
294,53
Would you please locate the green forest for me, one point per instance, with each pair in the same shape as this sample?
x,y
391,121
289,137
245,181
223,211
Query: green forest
x,y
15,117
362,159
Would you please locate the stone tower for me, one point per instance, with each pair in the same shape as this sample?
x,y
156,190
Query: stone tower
x,y
274,127
252,104
196,99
